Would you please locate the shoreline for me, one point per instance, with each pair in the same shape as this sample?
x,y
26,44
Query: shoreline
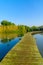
x,y
36,32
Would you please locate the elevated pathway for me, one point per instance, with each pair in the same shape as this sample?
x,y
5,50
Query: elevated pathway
x,y
24,53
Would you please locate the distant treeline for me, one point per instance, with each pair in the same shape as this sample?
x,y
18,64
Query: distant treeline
x,y
8,27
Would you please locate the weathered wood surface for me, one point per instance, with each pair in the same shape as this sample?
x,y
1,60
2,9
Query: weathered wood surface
x,y
24,53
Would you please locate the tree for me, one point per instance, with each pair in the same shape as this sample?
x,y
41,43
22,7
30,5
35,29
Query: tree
x,y
34,28
40,28
21,30
27,28
5,22
6,25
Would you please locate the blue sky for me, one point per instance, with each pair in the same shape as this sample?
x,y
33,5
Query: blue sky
x,y
26,12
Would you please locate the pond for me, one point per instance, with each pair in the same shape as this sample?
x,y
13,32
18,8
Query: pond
x,y
7,42
39,42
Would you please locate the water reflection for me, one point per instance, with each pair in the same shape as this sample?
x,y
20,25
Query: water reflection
x,y
39,42
41,33
7,37
7,41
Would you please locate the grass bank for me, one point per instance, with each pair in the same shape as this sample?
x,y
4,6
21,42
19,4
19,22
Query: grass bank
x,y
24,53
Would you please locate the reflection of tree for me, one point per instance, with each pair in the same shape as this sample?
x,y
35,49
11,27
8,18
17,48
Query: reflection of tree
x,y
5,40
7,37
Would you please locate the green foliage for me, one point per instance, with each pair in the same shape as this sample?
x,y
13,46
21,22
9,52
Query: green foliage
x,y
40,28
5,22
21,30
27,28
34,28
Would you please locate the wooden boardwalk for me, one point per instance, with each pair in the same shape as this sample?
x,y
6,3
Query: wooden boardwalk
x,y
24,53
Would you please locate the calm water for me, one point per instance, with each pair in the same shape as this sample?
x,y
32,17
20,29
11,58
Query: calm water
x,y
39,42
7,41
